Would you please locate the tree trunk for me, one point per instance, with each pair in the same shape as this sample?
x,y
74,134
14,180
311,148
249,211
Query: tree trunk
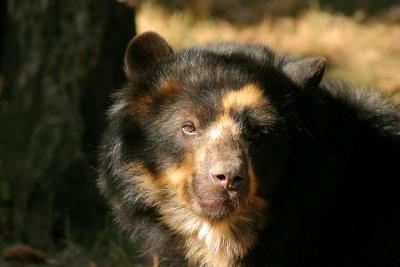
x,y
60,60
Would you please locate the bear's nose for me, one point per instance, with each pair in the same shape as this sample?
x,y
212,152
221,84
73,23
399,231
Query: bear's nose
x,y
229,174
228,182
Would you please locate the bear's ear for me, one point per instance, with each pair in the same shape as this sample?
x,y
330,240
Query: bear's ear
x,y
306,73
143,51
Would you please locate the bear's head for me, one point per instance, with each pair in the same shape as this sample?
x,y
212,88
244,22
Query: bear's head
x,y
200,135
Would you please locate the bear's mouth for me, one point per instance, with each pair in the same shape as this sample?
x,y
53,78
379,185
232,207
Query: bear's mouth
x,y
218,208
215,202
212,201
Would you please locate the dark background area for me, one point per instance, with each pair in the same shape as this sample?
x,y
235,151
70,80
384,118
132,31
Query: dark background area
x,y
60,61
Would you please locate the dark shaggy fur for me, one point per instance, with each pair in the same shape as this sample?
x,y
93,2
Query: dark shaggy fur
x,y
325,155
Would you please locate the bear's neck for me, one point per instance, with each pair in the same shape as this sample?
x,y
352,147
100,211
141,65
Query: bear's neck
x,y
218,244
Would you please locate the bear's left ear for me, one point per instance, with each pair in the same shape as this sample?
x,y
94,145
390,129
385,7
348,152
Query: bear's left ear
x,y
143,51
306,73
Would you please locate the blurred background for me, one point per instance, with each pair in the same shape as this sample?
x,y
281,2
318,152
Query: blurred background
x,y
60,61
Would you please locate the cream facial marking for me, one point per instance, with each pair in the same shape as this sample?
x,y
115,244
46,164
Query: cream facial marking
x,y
215,133
224,126
250,95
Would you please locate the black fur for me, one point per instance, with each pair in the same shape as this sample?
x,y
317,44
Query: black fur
x,y
328,162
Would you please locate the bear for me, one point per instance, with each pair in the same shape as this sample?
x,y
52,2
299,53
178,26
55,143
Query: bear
x,y
231,154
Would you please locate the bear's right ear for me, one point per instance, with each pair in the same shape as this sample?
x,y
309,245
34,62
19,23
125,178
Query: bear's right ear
x,y
143,51
306,73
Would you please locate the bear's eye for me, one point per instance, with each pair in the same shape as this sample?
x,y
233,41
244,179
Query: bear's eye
x,y
189,128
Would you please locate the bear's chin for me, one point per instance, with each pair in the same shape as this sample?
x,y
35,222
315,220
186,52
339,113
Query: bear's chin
x,y
216,209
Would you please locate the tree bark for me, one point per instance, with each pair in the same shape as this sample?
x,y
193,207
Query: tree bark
x,y
60,60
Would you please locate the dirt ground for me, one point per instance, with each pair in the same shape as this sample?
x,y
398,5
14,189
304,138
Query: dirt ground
x,y
115,256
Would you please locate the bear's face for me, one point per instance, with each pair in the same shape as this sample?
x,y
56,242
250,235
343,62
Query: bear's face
x,y
200,134
193,122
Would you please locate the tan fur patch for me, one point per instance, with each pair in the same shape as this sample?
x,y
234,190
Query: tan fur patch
x,y
177,177
151,188
141,178
249,95
170,87
166,89
179,173
224,126
143,104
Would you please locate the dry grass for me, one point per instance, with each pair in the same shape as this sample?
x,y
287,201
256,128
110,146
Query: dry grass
x,y
366,53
